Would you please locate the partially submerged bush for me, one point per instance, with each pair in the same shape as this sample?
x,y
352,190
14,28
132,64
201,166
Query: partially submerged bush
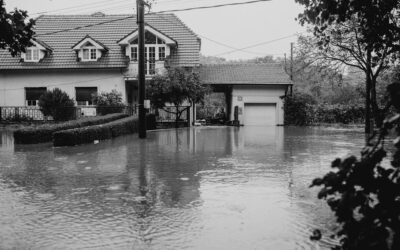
x,y
108,102
43,133
89,134
56,103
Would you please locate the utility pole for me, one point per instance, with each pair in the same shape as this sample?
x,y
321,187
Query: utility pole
x,y
141,67
291,61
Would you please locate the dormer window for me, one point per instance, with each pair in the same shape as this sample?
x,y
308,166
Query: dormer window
x,y
36,52
89,54
88,49
32,54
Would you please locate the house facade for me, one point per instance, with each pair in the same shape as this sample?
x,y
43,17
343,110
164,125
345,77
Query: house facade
x,y
86,54
253,92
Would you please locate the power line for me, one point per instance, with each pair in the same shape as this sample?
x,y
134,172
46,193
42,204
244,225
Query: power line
x,y
256,45
158,12
97,4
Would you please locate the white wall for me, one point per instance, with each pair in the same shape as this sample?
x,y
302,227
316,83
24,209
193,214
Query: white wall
x,y
12,84
258,94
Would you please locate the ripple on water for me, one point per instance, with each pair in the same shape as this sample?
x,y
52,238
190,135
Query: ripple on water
x,y
209,188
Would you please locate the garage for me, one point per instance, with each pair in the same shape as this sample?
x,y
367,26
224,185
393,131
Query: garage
x,y
260,114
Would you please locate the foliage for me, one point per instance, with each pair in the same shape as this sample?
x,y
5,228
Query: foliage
x,y
213,107
365,193
296,109
88,134
43,133
15,30
361,34
301,109
176,87
108,102
57,104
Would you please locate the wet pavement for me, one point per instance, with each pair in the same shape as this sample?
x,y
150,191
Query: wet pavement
x,y
199,188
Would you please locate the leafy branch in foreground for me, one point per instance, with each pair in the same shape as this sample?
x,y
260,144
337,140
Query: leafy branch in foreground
x,y
365,193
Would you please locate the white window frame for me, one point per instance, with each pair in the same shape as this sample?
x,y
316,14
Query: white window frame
x,y
90,50
32,54
147,55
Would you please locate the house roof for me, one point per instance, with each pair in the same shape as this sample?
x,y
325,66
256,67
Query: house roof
x,y
260,73
107,30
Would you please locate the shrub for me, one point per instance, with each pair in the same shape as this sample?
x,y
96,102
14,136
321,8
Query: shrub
x,y
57,104
44,132
89,134
297,110
108,102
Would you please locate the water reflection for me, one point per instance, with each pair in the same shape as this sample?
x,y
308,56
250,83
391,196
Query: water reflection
x,y
199,188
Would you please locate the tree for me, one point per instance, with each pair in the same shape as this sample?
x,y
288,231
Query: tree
x,y
364,33
176,87
364,193
108,102
15,30
57,104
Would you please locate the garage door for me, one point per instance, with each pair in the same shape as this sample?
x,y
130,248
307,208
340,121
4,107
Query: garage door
x,y
259,114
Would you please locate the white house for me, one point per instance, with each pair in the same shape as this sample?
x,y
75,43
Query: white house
x,y
85,54
255,91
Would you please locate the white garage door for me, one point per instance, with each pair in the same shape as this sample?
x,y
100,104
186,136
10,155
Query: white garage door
x,y
259,114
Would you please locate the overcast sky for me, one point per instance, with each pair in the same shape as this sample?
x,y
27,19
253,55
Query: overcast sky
x,y
271,23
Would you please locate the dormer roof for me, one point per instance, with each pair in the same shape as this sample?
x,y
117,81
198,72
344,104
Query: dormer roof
x,y
89,41
130,37
41,45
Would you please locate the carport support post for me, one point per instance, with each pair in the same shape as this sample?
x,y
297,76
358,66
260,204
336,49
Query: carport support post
x,y
141,65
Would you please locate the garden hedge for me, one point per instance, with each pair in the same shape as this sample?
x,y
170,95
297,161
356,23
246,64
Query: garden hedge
x,y
109,130
44,133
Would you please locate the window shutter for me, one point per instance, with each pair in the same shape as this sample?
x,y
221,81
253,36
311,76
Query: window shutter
x,y
34,93
85,93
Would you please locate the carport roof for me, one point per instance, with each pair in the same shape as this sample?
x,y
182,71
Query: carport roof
x,y
257,74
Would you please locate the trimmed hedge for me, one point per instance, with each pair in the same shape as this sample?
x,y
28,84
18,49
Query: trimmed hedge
x,y
89,134
109,130
44,133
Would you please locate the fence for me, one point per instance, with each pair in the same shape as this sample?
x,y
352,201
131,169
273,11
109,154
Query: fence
x,y
26,113
167,117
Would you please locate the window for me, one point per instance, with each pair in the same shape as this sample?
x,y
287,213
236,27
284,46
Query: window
x,y
93,54
32,55
32,96
84,95
89,54
161,53
152,60
134,53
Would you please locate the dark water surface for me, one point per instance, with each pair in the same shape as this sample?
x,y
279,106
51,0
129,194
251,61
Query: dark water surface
x,y
199,188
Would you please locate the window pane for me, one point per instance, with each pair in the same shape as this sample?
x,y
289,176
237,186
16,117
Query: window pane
x,y
152,68
28,55
93,54
35,54
161,53
152,53
149,38
85,94
85,54
135,41
159,41
134,53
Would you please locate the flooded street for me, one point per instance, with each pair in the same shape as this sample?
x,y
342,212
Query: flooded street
x,y
198,188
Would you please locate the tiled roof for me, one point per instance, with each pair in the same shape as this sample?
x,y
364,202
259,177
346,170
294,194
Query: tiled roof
x,y
243,74
108,33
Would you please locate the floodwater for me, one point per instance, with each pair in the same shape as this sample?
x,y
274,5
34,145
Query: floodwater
x,y
198,188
